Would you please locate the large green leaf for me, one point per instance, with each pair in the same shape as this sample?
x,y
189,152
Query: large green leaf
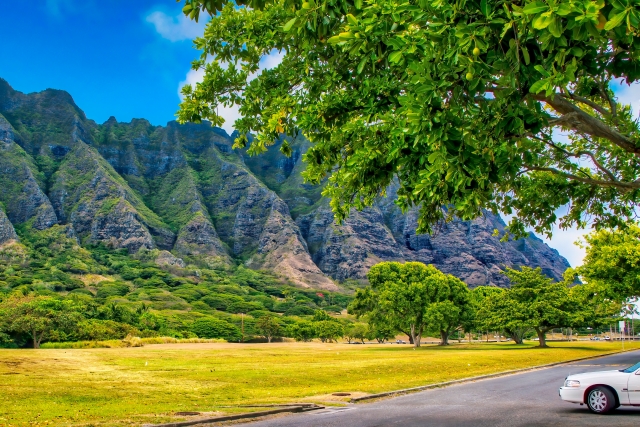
x,y
535,8
615,20
287,27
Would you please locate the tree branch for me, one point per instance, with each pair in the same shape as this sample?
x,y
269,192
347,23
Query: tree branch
x,y
586,101
617,184
599,165
574,118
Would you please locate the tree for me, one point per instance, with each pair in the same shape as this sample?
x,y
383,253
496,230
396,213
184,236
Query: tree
x,y
355,331
613,259
380,333
268,326
302,331
328,330
538,302
498,312
320,315
458,103
38,316
452,309
360,332
408,296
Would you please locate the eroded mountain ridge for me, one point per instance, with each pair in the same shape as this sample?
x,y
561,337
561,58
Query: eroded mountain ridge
x,y
183,190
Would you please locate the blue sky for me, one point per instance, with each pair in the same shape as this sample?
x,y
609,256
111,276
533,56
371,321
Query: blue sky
x,y
115,57
129,59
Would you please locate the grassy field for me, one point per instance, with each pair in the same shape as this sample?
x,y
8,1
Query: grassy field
x,y
132,386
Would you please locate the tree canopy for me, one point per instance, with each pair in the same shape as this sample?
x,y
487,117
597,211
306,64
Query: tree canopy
x,y
461,102
537,302
40,317
412,297
613,260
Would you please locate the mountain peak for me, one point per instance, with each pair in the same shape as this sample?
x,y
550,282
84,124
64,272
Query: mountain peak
x,y
111,121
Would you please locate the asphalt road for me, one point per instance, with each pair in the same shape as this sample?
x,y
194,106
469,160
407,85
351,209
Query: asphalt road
x,y
528,399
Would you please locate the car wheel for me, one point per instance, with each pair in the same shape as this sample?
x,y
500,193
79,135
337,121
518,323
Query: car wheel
x,y
600,400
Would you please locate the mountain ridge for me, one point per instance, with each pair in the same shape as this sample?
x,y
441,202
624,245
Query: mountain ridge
x,y
183,189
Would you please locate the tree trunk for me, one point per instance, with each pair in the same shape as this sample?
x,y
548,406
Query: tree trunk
x,y
410,338
269,339
516,338
415,336
35,340
541,337
444,338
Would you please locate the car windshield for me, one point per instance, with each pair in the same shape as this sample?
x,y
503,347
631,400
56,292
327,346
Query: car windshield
x,y
631,369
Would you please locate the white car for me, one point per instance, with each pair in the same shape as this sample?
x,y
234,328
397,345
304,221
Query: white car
x,y
604,390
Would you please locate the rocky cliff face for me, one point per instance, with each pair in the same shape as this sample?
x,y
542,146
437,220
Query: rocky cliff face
x,y
183,193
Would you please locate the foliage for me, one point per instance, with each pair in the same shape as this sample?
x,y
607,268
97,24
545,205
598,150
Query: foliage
x,y
380,333
536,302
38,316
216,328
452,309
328,330
411,297
302,331
268,326
613,260
117,294
497,312
458,102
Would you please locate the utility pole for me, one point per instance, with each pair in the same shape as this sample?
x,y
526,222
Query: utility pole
x,y
242,323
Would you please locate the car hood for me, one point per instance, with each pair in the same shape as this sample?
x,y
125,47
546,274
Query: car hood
x,y
597,374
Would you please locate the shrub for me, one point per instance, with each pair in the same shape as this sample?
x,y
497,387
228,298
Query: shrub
x,y
210,327
299,310
283,306
112,289
333,309
99,330
244,307
222,302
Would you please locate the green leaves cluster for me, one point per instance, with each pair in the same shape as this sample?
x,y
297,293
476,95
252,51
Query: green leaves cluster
x,y
413,298
613,261
458,101
533,302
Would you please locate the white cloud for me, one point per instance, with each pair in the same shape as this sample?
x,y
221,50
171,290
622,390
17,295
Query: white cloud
x,y
231,114
175,28
628,94
564,242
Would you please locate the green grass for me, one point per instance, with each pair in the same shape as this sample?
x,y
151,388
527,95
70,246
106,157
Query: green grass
x,y
128,386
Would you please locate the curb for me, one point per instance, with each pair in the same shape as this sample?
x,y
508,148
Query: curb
x,y
257,414
480,377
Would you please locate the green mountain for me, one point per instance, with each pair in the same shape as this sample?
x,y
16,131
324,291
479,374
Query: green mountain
x,y
179,196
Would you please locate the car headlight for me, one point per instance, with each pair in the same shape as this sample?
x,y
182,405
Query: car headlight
x,y
572,383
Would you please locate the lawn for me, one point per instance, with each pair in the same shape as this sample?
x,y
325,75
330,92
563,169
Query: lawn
x,y
132,386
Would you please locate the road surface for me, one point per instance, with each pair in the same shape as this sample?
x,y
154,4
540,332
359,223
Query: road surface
x,y
528,399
